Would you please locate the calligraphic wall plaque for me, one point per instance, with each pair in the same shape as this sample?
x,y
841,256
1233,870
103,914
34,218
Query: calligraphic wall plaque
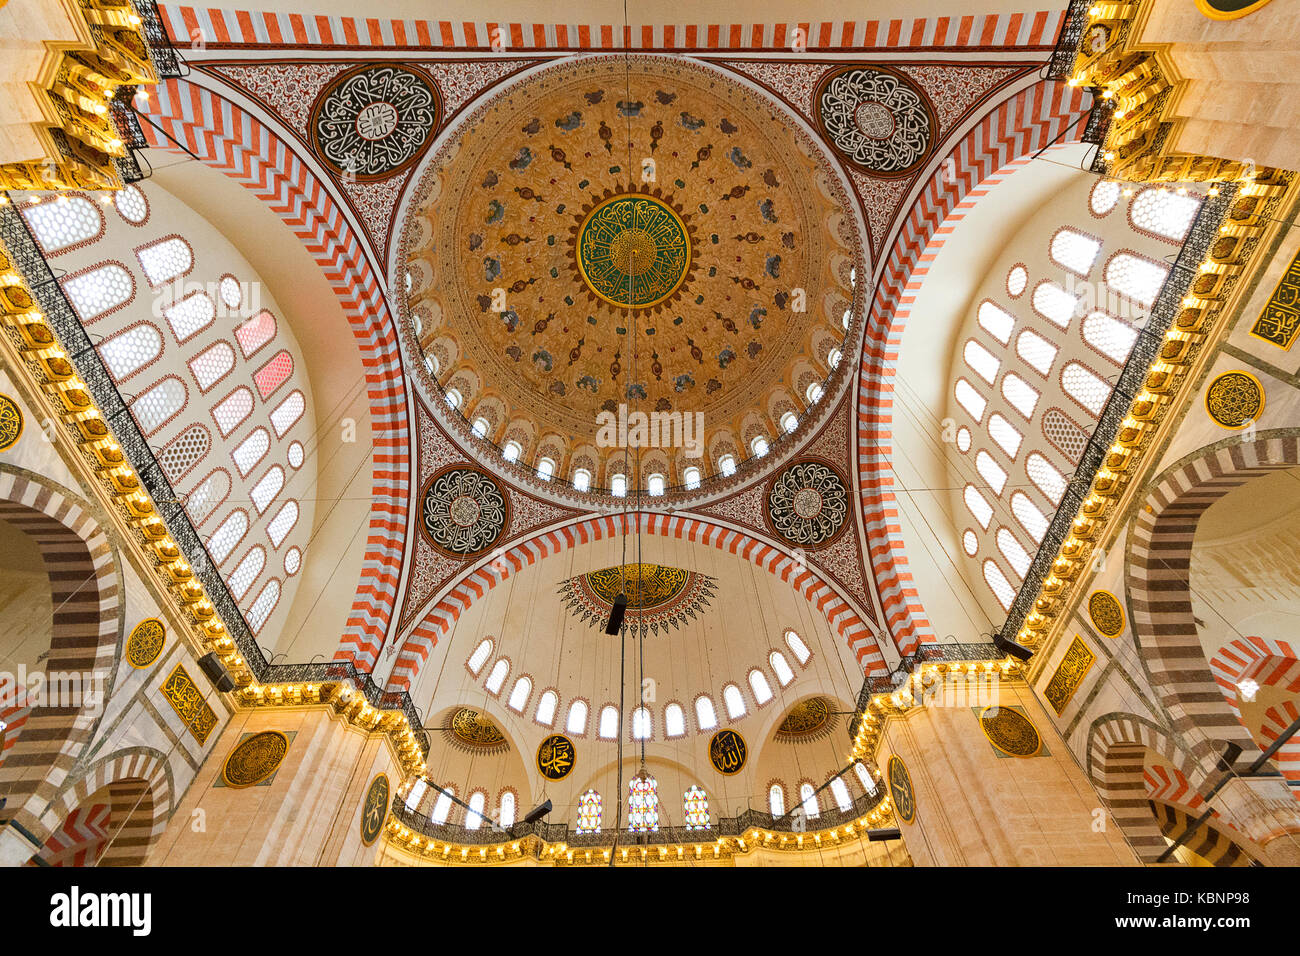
x,y
1074,666
375,809
187,700
728,752
556,757
900,789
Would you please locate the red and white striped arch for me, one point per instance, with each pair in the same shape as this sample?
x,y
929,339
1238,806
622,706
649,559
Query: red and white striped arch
x,y
1267,663
229,139
1005,139
220,28
802,578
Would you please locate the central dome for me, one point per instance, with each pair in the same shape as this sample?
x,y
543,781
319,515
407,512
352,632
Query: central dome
x,y
612,235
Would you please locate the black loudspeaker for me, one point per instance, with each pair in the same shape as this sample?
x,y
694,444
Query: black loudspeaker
x,y
1231,752
1018,651
616,615
216,672
536,813
880,836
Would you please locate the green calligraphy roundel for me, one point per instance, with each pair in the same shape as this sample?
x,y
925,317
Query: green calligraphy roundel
x,y
633,250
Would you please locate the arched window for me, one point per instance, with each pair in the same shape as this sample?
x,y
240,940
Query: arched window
x,y
203,500
581,479
255,333
641,724
1036,350
511,451
696,805
691,475
833,359
784,673
655,485
998,584
1022,396
131,204
984,363
969,399
1064,434
431,363
99,291
864,778
978,506
184,452
273,374
731,696
1054,303
789,422
250,451
474,815
643,805
131,350
264,605
506,810
546,706
1086,388
776,800
246,572
282,523
165,260
453,397
1109,336
1045,477
1074,252
847,317
497,677
1005,434
480,427
990,471
479,657
191,315
1166,214
64,222
727,465
519,695
1016,555
545,468
416,794
1030,518
577,721
674,721
212,365
758,446
840,791
808,800
797,647
762,690
814,393
228,534
705,718
995,321
607,729
267,488
442,806
232,410
1104,196
589,812
618,485
288,412
1136,277
160,404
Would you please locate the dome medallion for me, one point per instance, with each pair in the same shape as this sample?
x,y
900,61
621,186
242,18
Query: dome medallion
x,y
633,250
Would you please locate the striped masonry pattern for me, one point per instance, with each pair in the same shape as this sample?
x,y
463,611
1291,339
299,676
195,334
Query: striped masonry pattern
x,y
139,791
1160,551
1007,138
1276,720
208,27
227,138
40,751
1167,784
440,620
1267,663
80,840
1209,842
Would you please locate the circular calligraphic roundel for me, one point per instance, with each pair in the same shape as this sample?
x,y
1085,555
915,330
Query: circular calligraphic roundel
x,y
877,119
254,759
463,511
11,422
808,503
900,789
633,250
1234,399
728,752
476,729
556,757
145,643
1106,612
1011,731
806,719
374,811
374,121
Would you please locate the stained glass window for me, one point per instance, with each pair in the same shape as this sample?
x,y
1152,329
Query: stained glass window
x,y
203,500
230,292
96,292
641,724
250,451
287,413
1089,390
789,422
1105,194
1006,435
129,351
978,506
191,315
643,804
1022,396
274,373
864,777
185,451
1030,518
442,806
64,222
589,812
1137,278
618,486
1109,336
232,410
131,204
691,476
267,488
969,542
255,333
697,809
581,479
1046,477
1064,434
727,465
1074,251
1163,212
282,523
165,260
212,365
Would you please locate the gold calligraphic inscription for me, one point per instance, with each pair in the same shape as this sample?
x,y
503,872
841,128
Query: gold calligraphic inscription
x,y
659,596
556,757
728,752
808,718
900,789
254,759
1106,612
145,643
1011,732
1074,666
187,700
1234,399
648,585
633,250
476,728
1279,322
11,422
375,809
